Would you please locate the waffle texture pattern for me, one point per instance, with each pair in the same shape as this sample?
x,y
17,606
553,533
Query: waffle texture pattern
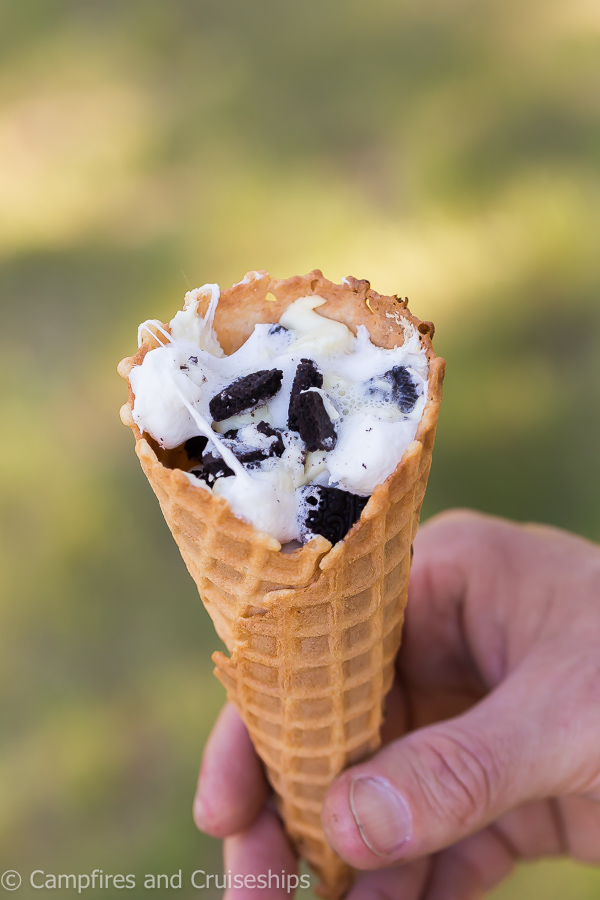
x,y
313,635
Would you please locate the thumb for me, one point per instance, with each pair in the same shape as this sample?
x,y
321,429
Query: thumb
x,y
437,785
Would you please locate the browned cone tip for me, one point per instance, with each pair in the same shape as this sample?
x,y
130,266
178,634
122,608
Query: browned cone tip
x,y
312,635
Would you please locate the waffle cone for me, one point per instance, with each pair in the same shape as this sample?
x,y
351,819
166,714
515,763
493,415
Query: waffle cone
x,y
312,635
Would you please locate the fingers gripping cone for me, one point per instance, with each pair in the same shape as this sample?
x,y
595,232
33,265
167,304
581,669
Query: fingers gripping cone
x,y
312,635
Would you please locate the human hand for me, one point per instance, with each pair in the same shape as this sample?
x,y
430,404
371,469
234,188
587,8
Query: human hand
x,y
498,685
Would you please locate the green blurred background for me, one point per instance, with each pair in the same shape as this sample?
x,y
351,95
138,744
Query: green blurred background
x,y
447,151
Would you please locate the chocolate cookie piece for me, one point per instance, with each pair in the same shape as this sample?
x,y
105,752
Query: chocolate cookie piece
x,y
278,329
307,376
313,424
246,453
403,389
195,447
277,446
214,466
245,394
203,475
329,511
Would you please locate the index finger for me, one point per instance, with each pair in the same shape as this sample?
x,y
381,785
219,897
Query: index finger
x,y
232,788
460,557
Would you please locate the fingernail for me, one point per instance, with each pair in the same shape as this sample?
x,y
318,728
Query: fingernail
x,y
381,814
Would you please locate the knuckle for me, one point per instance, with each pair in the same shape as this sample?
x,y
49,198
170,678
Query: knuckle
x,y
456,774
459,520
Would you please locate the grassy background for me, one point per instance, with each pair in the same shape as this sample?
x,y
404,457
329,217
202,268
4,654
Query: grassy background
x,y
448,151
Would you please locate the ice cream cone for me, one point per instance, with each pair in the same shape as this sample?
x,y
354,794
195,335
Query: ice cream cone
x,y
312,635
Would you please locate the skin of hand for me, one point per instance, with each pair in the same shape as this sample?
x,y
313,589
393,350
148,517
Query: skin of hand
x,y
492,737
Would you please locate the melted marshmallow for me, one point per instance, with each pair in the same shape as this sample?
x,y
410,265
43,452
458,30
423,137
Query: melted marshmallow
x,y
187,325
268,501
175,382
315,332
367,451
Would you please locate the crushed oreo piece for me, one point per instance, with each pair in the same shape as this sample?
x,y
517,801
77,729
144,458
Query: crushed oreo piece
x,y
403,389
214,467
203,475
329,511
247,452
248,455
277,446
246,393
307,376
278,329
313,424
195,446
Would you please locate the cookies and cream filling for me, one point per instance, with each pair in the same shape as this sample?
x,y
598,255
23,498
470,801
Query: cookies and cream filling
x,y
296,427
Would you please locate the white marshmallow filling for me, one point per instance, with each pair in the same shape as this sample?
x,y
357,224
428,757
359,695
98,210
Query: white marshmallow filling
x,y
305,411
